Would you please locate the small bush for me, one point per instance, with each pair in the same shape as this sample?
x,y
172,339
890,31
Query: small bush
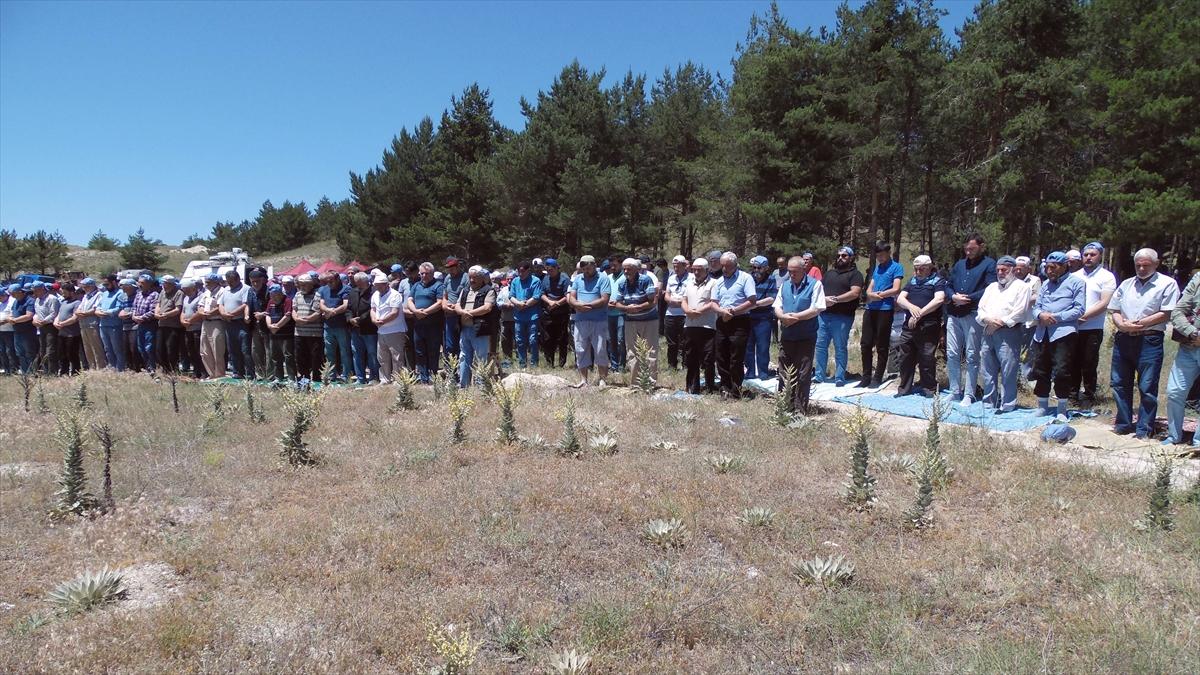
x,y
303,407
454,648
1159,515
665,533
72,496
758,516
405,382
507,399
824,572
726,463
570,662
569,445
859,488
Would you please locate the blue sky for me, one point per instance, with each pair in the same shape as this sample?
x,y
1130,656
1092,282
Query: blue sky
x,y
173,116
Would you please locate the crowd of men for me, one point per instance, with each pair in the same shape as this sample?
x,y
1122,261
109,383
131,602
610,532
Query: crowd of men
x,y
1002,321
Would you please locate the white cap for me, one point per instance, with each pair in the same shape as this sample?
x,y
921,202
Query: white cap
x,y
537,261
379,278
1022,260
188,283
287,278
700,262
678,259
475,269
1074,254
922,260
437,275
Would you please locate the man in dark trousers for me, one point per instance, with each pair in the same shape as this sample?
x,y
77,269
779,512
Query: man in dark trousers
x,y
801,298
882,288
921,300
556,315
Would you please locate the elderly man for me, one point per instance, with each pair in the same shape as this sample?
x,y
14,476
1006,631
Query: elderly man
x,y
424,303
453,282
616,318
843,285
1185,371
1058,308
387,313
364,334
969,277
1023,271
25,339
1074,261
133,352
89,324
476,311
797,305
735,295
260,340
762,318
170,329
921,299
635,296
277,323
309,329
700,328
8,347
69,337
673,323
213,341
589,295
235,310
45,312
288,282
556,317
1100,285
525,296
1140,308
145,304
335,302
810,268
1003,310
882,288
192,323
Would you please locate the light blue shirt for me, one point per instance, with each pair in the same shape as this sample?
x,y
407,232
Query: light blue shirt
x,y
733,290
1064,300
520,289
590,290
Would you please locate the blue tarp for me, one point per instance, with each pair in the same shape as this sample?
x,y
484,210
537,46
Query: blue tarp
x,y
974,414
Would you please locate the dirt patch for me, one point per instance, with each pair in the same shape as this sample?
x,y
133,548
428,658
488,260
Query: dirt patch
x,y
150,585
25,469
547,384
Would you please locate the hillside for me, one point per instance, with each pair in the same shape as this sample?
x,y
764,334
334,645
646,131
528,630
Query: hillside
x,y
100,262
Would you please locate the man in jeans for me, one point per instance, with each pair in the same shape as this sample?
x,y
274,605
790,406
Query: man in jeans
x,y
843,285
735,294
1185,371
1100,284
335,301
475,309
1058,308
170,330
525,295
882,289
425,307
969,277
453,281
112,302
762,319
1140,309
364,334
235,310
89,325
8,347
260,340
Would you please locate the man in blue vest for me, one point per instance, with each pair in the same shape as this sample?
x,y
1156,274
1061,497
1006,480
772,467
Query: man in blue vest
x,y
556,316
969,278
921,299
800,300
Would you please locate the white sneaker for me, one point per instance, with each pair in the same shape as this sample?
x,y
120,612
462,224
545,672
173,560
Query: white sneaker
x,y
966,402
601,384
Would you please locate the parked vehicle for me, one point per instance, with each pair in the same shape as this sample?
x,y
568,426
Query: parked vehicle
x,y
222,262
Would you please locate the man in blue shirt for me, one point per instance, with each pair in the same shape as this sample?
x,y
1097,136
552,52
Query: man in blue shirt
x,y
636,297
1059,306
234,308
616,319
969,278
424,305
735,295
453,282
525,296
762,319
589,296
556,316
335,301
108,309
882,289
921,299
24,332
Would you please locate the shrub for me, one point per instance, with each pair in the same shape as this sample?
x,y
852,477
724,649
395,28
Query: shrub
x,y
824,572
726,463
304,408
785,402
569,445
507,398
405,382
570,662
460,408
80,399
455,648
1158,516
940,472
665,533
758,516
641,356
218,397
72,495
104,434
257,416
859,489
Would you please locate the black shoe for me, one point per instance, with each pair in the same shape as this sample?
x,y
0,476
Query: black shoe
x,y
863,384
875,384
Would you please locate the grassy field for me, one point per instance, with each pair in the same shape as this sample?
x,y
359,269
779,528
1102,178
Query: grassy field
x,y
243,565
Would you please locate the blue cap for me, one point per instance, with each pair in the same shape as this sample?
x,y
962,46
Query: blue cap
x,y
848,250
550,262
37,284
759,261
13,288
1007,260
274,288
312,274
1057,257
212,276
127,282
145,277
1058,433
88,281
604,266
397,268
1096,245
344,279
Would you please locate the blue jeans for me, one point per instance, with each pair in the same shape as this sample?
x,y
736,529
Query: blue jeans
x,y
1184,373
26,347
147,336
1000,354
8,352
112,338
1143,355
427,342
472,349
616,342
450,337
833,328
365,356
337,351
758,348
963,334
237,346
527,341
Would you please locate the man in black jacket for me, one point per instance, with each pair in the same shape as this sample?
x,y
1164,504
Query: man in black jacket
x,y
363,331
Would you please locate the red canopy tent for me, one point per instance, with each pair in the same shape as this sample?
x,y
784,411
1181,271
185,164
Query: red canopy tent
x,y
302,267
329,266
355,263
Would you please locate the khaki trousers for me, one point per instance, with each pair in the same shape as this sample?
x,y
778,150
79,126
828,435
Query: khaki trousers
x,y
212,347
390,351
93,349
648,331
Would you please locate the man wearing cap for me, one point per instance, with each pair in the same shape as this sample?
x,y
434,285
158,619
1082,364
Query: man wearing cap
x,y
428,325
475,308
1140,309
111,304
309,329
797,306
364,334
170,328
735,295
8,347
1100,284
673,324
556,317
70,342
145,304
45,312
636,297
921,300
235,310
387,313
589,296
1058,308
412,276
1003,311
762,317
882,289
25,340
842,285
525,295
192,323
213,342
700,329
335,296
288,282
969,277
89,324
715,270
507,322
1185,371
260,341
1023,271
453,282
616,318
1074,261
277,323
129,335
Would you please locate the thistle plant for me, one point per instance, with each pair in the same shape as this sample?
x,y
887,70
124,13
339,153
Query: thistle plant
x,y
758,516
726,463
569,445
303,407
824,572
460,408
43,407
785,403
327,373
489,378
173,380
1193,494
1158,516
88,591
664,446
27,385
570,662
454,648
507,398
444,381
859,488
72,495
104,435
644,382
940,472
253,409
405,382
665,533
218,397
80,399
918,515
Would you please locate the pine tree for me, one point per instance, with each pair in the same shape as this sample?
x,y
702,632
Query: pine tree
x,y
102,242
140,252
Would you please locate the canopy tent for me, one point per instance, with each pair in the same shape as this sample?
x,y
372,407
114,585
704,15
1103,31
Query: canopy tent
x,y
355,263
329,266
302,267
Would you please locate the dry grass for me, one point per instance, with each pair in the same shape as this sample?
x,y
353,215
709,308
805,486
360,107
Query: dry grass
x,y
336,567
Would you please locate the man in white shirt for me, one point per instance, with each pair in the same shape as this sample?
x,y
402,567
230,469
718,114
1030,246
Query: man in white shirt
x,y
1003,311
700,328
1023,271
1100,285
798,303
674,319
387,313
1140,309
